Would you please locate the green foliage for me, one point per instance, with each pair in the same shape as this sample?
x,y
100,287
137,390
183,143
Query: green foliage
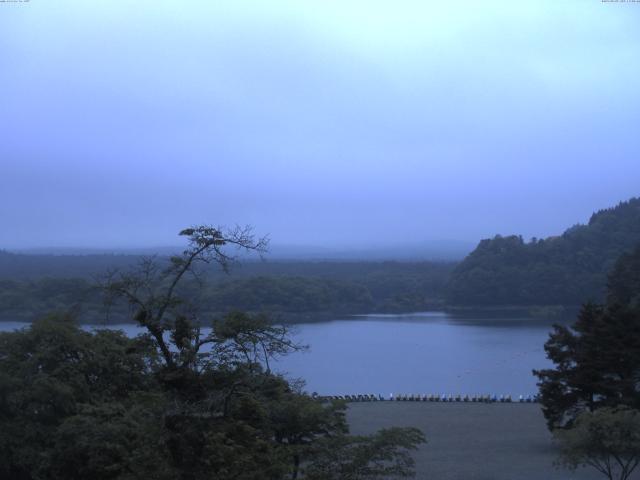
x,y
49,375
288,294
31,299
111,440
597,360
624,281
77,405
607,440
384,455
290,290
564,270
31,267
172,403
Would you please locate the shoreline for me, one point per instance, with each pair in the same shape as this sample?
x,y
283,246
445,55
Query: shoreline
x,y
533,312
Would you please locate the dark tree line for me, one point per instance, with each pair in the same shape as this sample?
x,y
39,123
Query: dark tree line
x,y
503,271
564,270
316,288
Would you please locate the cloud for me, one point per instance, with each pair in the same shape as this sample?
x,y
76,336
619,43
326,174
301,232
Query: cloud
x,y
410,119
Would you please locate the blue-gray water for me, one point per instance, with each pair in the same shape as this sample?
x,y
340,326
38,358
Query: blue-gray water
x,y
430,352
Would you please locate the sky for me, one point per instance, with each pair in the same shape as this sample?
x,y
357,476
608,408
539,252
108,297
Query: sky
x,y
319,122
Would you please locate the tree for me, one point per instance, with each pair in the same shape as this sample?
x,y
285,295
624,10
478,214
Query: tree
x,y
55,379
152,291
607,440
624,281
77,404
111,440
597,360
229,415
177,402
384,455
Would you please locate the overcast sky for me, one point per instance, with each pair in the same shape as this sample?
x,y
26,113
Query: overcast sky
x,y
328,122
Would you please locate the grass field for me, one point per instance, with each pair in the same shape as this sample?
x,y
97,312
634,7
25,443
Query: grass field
x,y
471,441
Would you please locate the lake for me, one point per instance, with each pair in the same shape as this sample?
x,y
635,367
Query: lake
x,y
431,352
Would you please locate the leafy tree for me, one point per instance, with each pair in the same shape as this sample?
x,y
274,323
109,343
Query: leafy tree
x,y
152,291
227,400
598,358
591,400
607,440
177,402
77,404
50,374
384,455
111,440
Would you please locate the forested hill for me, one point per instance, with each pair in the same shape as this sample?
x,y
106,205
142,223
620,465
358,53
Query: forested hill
x,y
565,270
33,285
15,266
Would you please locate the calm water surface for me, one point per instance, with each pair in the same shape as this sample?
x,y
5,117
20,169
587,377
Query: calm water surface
x,y
431,352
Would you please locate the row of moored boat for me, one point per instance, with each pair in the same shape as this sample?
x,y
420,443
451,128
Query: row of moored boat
x,y
434,398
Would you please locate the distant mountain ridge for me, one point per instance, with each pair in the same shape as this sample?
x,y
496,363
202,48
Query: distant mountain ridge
x,y
565,270
427,250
